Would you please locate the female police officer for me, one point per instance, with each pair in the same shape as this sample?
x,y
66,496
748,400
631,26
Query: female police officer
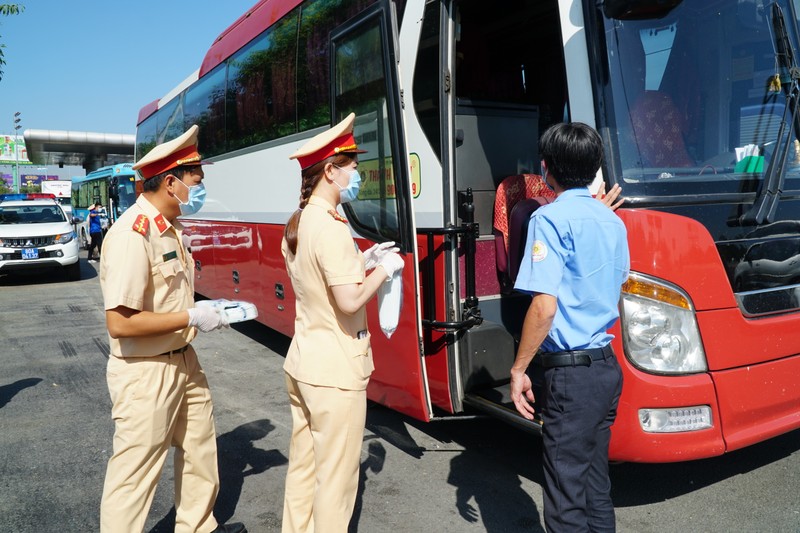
x,y
329,361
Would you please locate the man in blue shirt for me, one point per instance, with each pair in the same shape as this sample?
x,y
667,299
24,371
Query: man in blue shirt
x,y
576,260
96,212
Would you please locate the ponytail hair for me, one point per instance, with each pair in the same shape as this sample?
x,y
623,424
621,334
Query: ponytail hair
x,y
311,177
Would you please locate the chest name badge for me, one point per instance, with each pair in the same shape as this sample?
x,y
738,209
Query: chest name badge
x,y
538,251
170,255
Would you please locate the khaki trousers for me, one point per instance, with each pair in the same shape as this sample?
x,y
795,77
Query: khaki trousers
x,y
324,457
159,402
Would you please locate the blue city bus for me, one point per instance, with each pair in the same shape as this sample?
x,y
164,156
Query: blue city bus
x,y
115,187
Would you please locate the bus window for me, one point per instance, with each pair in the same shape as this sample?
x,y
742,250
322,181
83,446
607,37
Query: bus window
x,y
261,98
361,86
170,121
145,136
426,78
313,69
205,106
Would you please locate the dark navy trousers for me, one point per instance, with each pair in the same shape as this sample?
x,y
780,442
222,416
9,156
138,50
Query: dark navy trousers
x,y
578,409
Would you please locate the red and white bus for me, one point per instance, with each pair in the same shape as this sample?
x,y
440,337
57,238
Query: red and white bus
x,y
697,106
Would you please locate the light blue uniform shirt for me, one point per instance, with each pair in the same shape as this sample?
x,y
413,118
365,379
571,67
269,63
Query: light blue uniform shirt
x,y
577,251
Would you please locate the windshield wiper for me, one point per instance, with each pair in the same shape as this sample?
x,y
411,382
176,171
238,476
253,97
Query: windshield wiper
x,y
766,203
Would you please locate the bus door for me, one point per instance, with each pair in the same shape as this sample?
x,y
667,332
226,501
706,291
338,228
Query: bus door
x,y
505,84
365,81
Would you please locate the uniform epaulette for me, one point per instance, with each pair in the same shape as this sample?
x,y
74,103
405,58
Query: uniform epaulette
x,y
141,224
337,216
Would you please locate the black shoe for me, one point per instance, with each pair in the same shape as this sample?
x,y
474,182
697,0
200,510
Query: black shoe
x,y
234,527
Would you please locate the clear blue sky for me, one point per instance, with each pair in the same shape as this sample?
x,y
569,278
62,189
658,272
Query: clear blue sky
x,y
90,65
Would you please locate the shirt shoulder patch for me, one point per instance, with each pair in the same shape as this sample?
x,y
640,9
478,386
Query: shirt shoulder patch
x,y
538,251
141,224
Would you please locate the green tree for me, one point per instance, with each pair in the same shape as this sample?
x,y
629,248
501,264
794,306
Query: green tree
x,y
8,9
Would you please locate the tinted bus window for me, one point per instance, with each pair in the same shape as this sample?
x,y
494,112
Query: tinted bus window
x,y
205,106
426,77
261,97
361,86
146,136
313,70
170,121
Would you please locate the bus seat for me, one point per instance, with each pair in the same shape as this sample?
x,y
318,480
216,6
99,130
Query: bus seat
x,y
510,192
518,232
659,127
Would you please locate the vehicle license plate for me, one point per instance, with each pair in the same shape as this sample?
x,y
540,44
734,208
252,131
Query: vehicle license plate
x,y
30,253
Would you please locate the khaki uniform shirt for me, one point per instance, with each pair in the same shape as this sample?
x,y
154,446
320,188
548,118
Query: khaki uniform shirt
x,y
329,348
145,267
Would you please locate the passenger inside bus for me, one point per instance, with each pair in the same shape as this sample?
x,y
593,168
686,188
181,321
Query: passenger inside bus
x,y
514,203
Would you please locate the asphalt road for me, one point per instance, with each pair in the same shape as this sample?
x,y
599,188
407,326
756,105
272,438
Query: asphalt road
x,y
452,475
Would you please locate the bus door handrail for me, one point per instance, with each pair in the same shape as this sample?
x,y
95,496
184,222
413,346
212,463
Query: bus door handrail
x,y
468,232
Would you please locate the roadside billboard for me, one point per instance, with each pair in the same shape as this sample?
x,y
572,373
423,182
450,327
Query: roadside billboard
x,y
13,151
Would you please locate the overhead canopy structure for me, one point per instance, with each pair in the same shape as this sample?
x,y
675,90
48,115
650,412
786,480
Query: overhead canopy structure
x,y
79,148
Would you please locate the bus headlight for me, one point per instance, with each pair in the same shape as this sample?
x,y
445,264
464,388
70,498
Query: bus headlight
x,y
659,327
64,238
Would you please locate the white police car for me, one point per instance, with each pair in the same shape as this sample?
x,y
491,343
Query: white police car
x,y
35,232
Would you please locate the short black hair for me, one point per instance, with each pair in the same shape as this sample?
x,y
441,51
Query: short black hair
x,y
572,152
152,184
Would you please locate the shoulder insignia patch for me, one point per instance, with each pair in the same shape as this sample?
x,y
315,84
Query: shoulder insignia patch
x,y
161,224
538,251
337,216
141,224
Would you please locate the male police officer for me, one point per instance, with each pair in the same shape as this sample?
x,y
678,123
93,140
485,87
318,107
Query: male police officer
x,y
158,390
575,264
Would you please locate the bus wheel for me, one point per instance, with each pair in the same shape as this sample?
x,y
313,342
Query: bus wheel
x,y
73,271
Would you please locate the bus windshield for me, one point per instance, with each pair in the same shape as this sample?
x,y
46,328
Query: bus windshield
x,y
127,194
698,99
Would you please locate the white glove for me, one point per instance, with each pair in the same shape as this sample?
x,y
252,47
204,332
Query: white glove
x,y
206,318
392,263
373,256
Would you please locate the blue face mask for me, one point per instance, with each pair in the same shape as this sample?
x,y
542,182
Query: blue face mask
x,y
547,184
197,197
349,193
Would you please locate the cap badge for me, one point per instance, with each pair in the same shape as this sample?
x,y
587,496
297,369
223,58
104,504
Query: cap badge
x,y
348,148
193,159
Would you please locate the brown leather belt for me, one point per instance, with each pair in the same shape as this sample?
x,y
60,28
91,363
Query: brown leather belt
x,y
574,357
176,352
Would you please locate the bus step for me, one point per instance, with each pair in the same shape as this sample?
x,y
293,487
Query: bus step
x,y
497,403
